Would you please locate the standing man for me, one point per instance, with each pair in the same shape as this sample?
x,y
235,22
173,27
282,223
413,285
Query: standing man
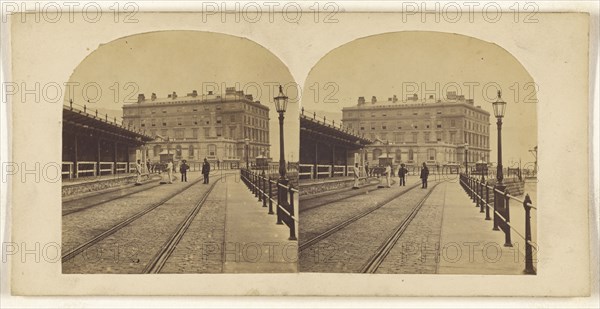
x,y
183,168
367,168
402,171
424,175
149,166
205,170
170,171
388,174
138,172
356,176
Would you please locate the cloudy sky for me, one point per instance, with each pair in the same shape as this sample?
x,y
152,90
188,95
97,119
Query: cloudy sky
x,y
394,63
182,61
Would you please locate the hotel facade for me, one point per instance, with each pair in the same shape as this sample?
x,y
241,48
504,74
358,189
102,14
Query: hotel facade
x,y
417,131
193,127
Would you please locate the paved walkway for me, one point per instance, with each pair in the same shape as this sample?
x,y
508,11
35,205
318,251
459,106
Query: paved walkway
x,y
468,245
254,243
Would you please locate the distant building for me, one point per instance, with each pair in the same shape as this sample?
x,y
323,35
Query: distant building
x,y
194,127
418,131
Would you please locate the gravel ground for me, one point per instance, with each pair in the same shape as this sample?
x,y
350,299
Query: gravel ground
x,y
350,248
79,227
199,251
318,220
132,247
417,250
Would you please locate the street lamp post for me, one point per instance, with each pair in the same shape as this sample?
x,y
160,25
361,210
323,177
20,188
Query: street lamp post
x,y
281,101
281,105
499,108
499,205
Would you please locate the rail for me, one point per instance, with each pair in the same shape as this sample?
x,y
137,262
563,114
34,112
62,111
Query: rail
x,y
106,168
499,202
302,171
121,167
69,171
82,167
274,192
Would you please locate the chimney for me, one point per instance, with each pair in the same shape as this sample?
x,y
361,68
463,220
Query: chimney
x,y
210,92
373,99
174,96
361,100
194,93
394,99
141,98
249,97
229,90
153,96
169,96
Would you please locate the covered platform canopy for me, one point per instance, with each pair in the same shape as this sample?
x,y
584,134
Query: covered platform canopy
x,y
326,147
94,145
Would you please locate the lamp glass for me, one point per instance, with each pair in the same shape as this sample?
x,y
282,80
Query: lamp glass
x,y
499,108
281,101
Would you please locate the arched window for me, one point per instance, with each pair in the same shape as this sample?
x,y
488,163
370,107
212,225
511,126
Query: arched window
x,y
376,154
191,151
398,155
178,151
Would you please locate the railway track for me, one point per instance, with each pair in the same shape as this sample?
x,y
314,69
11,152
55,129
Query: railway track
x,y
305,245
345,194
94,240
376,259
161,257
111,199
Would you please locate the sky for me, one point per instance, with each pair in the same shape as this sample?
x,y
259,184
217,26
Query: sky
x,y
403,63
182,61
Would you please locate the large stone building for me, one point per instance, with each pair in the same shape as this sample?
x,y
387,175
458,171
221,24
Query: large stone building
x,y
417,131
196,126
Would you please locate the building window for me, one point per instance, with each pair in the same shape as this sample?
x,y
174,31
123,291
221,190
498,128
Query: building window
x,y
164,122
452,123
411,155
179,134
376,154
219,120
398,155
178,151
206,132
431,154
157,149
191,152
219,131
195,132
164,111
427,137
415,135
179,121
212,150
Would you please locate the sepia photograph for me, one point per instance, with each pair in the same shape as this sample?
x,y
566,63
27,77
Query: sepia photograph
x,y
421,159
323,149
156,181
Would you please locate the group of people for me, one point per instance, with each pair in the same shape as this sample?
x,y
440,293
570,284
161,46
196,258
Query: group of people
x,y
169,169
402,174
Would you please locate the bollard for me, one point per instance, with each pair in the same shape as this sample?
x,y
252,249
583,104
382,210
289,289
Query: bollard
x,y
507,241
270,196
497,200
291,210
264,189
481,197
528,248
487,202
281,196
260,188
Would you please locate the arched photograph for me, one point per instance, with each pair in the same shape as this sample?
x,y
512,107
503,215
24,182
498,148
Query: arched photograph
x,y
413,144
179,156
